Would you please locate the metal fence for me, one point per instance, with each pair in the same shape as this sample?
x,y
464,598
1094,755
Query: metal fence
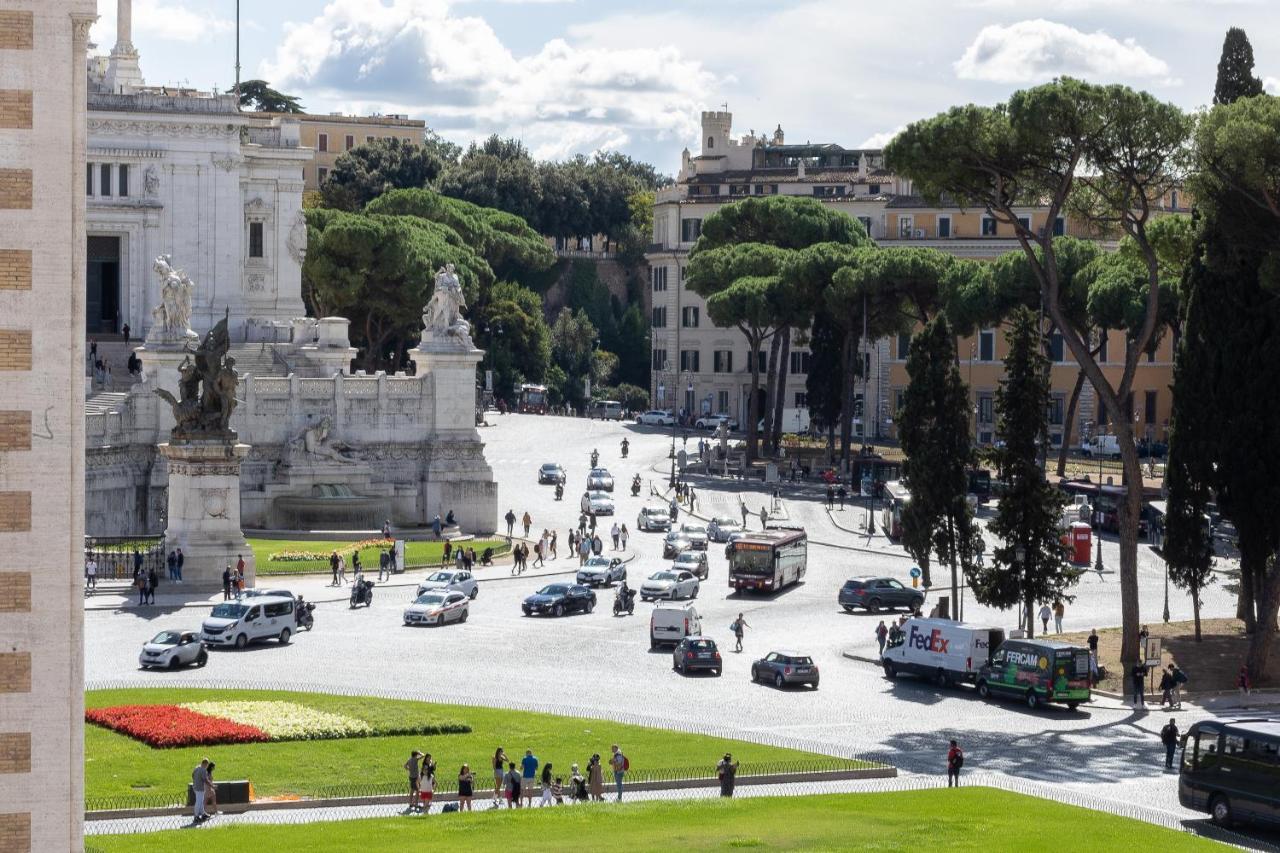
x,y
118,557
368,557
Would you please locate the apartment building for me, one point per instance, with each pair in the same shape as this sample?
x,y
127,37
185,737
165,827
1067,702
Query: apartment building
x,y
701,368
329,136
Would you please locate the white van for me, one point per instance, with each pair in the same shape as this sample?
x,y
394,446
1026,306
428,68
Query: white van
x,y
607,410
1106,446
671,623
236,623
946,652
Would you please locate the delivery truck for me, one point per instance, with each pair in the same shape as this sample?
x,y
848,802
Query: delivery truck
x,y
943,651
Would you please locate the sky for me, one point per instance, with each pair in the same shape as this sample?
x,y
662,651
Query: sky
x,y
579,76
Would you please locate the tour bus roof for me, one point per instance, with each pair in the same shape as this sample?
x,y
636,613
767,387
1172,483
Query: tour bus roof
x,y
1269,727
772,535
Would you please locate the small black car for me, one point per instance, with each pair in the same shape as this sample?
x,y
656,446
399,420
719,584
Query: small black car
x,y
694,653
559,599
875,593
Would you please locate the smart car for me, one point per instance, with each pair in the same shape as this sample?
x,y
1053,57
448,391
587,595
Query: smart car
x,y
559,599
437,608
783,668
173,649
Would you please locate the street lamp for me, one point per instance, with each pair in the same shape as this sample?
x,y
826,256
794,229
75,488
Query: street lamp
x,y
1020,554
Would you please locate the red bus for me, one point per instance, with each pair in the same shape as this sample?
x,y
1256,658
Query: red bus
x,y
768,560
533,399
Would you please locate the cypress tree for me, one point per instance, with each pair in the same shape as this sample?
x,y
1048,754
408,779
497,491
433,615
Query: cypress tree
x,y
1235,69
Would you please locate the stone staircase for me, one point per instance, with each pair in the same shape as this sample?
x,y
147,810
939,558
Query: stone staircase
x,y
256,360
101,402
115,353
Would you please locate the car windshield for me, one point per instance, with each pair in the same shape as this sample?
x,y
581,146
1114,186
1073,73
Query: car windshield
x,y
554,589
550,466
229,611
598,562
599,472
430,598
167,638
688,558
725,522
662,576
598,496
440,576
654,511
694,528
702,645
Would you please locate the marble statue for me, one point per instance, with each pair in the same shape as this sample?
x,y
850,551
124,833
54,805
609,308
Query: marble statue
x,y
443,314
150,182
296,242
206,388
172,317
315,442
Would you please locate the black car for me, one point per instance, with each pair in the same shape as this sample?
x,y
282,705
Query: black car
x,y
551,472
875,593
559,599
694,653
783,668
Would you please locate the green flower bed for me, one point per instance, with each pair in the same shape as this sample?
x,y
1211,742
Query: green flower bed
x,y
296,557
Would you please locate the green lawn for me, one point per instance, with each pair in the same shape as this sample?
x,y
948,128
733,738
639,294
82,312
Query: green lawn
x,y
978,819
121,772
416,553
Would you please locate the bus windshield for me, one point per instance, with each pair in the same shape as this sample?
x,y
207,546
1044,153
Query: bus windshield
x,y
752,562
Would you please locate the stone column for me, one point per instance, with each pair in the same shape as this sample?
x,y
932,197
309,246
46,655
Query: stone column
x,y
204,510
124,27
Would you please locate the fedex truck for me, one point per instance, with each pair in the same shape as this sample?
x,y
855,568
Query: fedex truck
x,y
941,650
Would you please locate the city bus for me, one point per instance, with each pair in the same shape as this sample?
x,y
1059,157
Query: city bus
x,y
533,399
896,497
768,560
1231,770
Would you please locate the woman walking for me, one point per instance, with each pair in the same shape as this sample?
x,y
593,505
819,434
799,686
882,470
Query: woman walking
x,y
595,778
624,537
466,788
546,785
499,770
342,570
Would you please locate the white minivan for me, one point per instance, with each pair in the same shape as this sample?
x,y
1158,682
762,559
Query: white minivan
x,y
671,623
607,410
236,623
941,650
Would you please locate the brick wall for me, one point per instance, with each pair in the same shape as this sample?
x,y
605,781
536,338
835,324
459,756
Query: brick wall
x,y
15,269
15,109
15,349
15,674
15,512
16,30
15,189
15,430
15,832
15,592
15,752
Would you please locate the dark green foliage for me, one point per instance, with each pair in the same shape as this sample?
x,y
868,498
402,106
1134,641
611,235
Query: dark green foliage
x,y
510,328
373,168
258,96
1235,70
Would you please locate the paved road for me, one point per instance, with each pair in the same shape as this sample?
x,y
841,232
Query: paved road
x,y
601,665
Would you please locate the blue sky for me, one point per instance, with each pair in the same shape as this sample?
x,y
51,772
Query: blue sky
x,y
570,76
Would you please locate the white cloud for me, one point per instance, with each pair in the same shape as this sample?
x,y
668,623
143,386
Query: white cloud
x,y
427,58
167,20
1271,84
880,140
1035,50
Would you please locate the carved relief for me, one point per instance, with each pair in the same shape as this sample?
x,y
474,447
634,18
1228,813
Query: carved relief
x,y
255,283
159,128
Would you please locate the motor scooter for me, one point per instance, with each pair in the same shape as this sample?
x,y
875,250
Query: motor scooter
x,y
635,486
625,599
304,611
559,491
362,593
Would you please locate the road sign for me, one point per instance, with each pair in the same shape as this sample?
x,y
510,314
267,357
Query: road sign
x,y
488,381
1151,652
866,487
915,571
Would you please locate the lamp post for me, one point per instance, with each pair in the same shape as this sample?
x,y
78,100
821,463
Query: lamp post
x,y
1020,554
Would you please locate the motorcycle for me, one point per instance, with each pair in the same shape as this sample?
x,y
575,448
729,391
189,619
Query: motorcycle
x,y
362,593
559,491
625,599
304,612
635,487
595,459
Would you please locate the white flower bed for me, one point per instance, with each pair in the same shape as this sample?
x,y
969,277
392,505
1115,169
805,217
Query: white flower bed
x,y
285,720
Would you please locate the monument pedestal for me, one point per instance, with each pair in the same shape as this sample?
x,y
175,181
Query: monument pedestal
x,y
204,510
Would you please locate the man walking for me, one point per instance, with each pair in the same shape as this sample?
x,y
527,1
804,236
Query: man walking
x,y
1059,610
414,773
181,559
842,494
955,760
726,770
333,566
528,522
764,518
1045,613
511,521
620,766
882,633
226,583
171,563
199,783
1179,679
615,532
382,564
91,573
153,581
831,498
745,513
1169,737
1138,674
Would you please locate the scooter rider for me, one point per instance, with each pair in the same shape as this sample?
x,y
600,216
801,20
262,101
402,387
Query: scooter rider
x,y
635,485
595,457
626,596
559,491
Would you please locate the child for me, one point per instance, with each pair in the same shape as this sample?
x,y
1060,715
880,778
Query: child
x,y
557,790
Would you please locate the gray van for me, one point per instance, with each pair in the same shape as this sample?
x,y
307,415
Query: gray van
x,y
607,410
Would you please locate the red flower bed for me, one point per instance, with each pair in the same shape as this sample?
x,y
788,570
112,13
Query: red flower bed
x,y
171,726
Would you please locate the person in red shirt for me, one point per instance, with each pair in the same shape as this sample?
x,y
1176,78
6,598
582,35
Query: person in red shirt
x,y
955,760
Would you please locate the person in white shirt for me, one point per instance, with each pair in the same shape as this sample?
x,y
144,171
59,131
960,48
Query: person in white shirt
x,y
1045,615
616,533
91,574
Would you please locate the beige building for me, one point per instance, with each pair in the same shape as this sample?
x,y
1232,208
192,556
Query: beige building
x,y
42,280
331,135
702,369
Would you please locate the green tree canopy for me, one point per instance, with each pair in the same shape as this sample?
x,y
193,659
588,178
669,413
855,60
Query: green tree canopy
x,y
1235,70
373,168
258,96
517,342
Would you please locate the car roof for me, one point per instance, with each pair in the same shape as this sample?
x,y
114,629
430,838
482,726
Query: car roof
x,y
1053,645
266,599
697,638
789,653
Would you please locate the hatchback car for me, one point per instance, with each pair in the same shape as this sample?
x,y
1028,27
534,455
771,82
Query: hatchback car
x,y
695,653
600,503
551,473
559,599
656,418
783,668
714,421
653,518
437,608
694,562
675,543
454,580
668,584
601,571
599,480
721,527
696,533
875,593
173,649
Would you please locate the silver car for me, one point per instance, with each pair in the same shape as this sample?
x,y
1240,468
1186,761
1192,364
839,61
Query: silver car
x,y
601,571
653,518
600,502
667,584
656,417
452,580
599,479
694,562
675,543
696,534
721,527
437,608
173,649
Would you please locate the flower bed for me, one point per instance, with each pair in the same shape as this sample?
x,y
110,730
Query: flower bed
x,y
285,720
347,547
166,726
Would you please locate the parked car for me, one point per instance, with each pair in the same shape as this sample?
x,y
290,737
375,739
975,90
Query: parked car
x,y
551,473
601,503
783,668
453,580
696,533
721,527
671,623
601,571
713,421
437,608
173,649
872,594
695,653
669,584
559,599
599,479
656,417
675,543
653,518
694,562
233,623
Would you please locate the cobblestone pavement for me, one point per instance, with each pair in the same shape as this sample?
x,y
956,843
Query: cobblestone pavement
x,y
598,664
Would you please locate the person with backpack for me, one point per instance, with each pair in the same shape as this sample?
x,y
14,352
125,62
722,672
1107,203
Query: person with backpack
x,y
955,760
736,627
1169,736
1179,679
620,764
513,786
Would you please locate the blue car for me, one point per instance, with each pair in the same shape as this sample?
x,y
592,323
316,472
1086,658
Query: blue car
x,y
559,599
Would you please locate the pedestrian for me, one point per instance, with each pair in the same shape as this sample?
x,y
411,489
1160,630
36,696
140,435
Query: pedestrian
x,y
882,634
584,550
436,527
1245,685
1166,689
1169,737
764,518
226,583
140,581
585,503
528,522
955,760
199,787
182,558
577,786
382,565
842,494
152,582
528,773
413,767
427,784
620,766
466,788
726,770
93,350
554,555
831,498
171,562
624,534
240,565
512,781
124,330
1059,610
1093,642
546,785
511,521
743,506
557,790
1045,614
582,522
693,499
342,570
597,545
616,533
591,522
333,565
736,628
673,510
1179,679
137,560
459,557
595,778
210,793
90,573
498,763
239,584
1136,676
446,554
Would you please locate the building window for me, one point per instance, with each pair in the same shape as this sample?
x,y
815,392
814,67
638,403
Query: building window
x,y
988,226
351,142
800,362
659,317
1150,406
829,191
986,409
659,359
904,345
944,226
88,179
122,182
1173,199
104,179
905,226
368,139
722,401
1025,222
255,239
739,189
722,361
711,142
322,142
690,230
1057,351
873,189
658,277
899,400
1057,410
689,317
987,345
689,360
801,400
1059,226
322,174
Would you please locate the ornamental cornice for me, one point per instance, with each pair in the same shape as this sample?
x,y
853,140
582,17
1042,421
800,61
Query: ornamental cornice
x,y
135,127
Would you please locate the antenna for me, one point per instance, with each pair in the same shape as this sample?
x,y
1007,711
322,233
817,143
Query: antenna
x,y
237,90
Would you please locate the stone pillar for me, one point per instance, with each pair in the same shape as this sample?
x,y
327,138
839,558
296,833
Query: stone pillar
x,y
123,73
204,510
124,26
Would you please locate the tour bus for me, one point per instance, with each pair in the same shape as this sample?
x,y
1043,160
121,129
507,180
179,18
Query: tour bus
x,y
896,497
1231,769
533,399
768,560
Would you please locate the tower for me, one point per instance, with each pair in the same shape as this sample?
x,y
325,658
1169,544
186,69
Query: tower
x,y
715,132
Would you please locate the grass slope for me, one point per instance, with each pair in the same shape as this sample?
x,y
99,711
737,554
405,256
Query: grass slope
x,y
416,553
978,819
131,773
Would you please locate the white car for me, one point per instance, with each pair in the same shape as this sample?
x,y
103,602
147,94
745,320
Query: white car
x,y
173,649
656,418
437,608
600,502
696,534
669,584
451,580
694,562
713,422
653,518
721,527
600,479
